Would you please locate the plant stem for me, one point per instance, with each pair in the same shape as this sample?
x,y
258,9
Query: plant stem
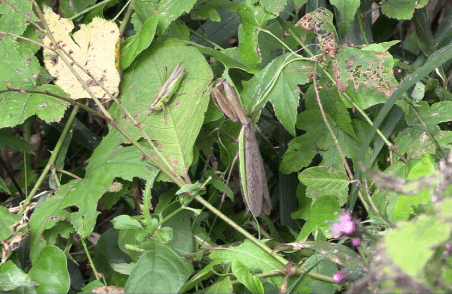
x,y
52,159
215,45
82,240
89,9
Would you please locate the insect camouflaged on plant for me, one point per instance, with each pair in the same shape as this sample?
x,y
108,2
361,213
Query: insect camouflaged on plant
x,y
168,89
252,173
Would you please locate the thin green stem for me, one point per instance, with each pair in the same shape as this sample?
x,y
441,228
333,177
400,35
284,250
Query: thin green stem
x,y
427,130
241,230
89,9
52,159
126,18
278,39
11,176
215,45
82,240
361,27
296,38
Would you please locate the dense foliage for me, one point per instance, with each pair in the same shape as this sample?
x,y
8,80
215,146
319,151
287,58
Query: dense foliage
x,y
119,173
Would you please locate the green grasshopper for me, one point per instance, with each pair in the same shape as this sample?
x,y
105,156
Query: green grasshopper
x,y
169,88
252,173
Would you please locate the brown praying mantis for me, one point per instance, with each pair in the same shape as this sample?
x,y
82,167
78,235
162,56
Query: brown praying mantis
x,y
252,173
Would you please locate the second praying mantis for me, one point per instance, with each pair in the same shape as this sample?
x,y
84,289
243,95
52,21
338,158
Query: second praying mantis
x,y
252,173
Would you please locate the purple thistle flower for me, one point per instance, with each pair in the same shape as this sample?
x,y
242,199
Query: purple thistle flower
x,y
337,277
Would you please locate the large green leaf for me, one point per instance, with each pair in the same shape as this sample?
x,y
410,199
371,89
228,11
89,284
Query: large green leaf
x,y
12,19
323,182
278,83
347,10
245,277
253,18
223,286
109,160
366,74
161,270
174,129
12,278
323,210
318,140
166,12
136,44
421,237
434,61
402,9
403,208
50,271
251,256
19,68
274,7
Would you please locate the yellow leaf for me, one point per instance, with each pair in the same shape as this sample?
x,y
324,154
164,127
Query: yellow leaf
x,y
93,47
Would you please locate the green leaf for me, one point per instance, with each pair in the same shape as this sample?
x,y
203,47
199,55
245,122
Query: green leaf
x,y
319,179
274,7
12,19
50,271
126,222
136,44
182,226
403,208
251,256
4,187
366,75
18,65
245,277
161,270
223,286
123,268
253,18
173,130
109,160
92,286
203,274
69,8
318,140
278,82
332,104
107,251
195,187
206,9
418,91
320,21
169,10
347,10
165,11
325,267
228,57
402,9
17,107
434,61
63,229
12,278
323,210
420,238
